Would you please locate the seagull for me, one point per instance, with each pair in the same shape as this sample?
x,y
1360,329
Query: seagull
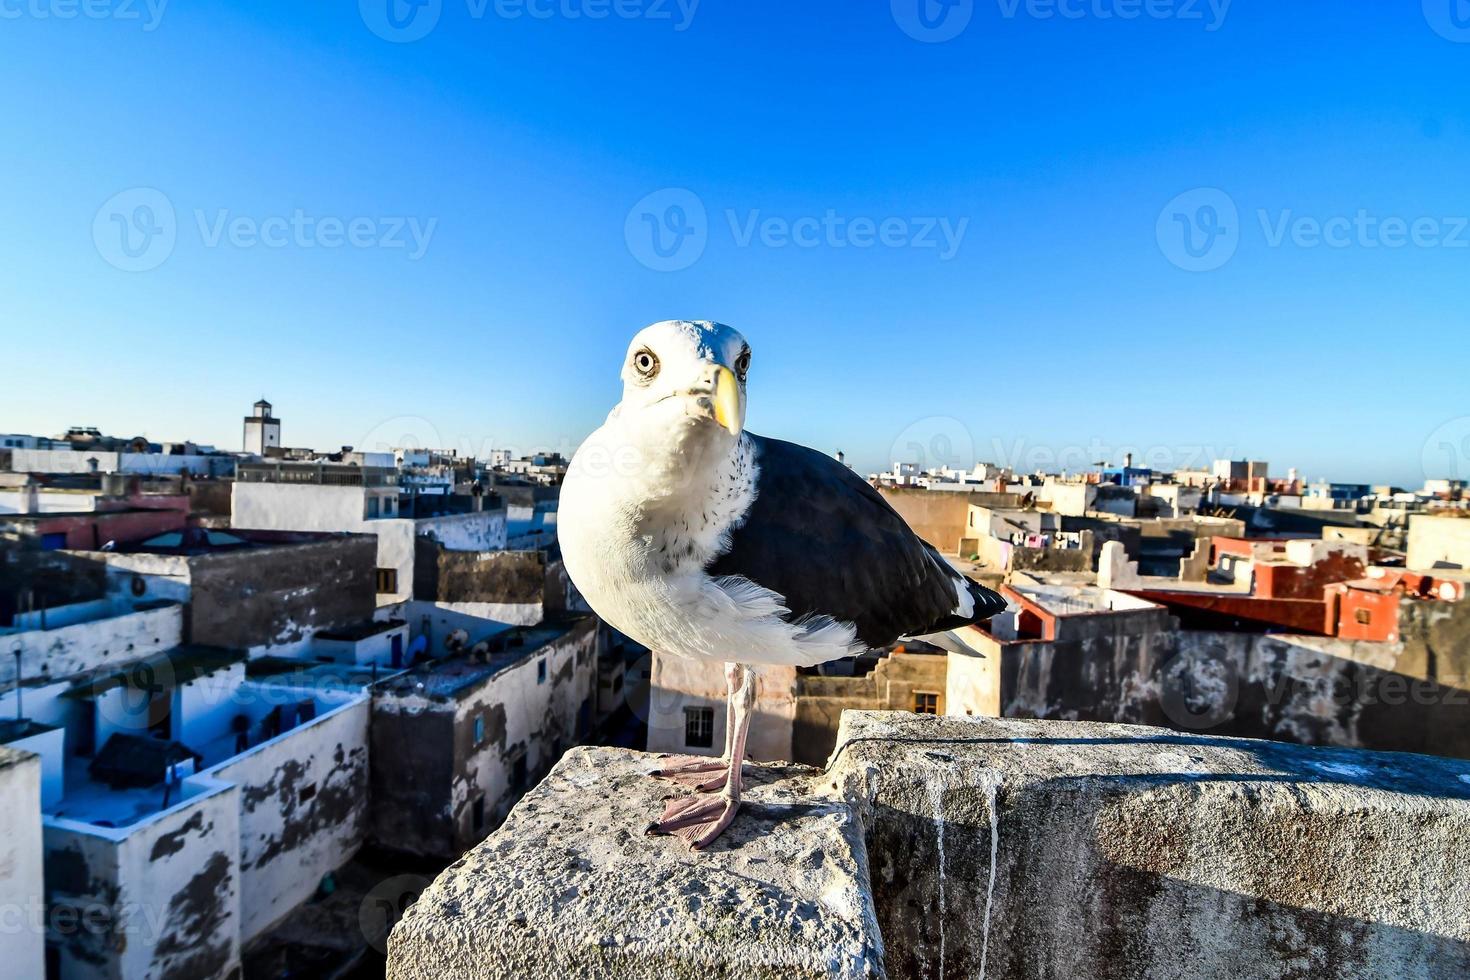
x,y
697,538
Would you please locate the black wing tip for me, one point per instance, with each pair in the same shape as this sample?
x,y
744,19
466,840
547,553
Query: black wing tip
x,y
988,602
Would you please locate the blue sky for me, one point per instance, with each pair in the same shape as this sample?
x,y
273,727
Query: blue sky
x,y
531,148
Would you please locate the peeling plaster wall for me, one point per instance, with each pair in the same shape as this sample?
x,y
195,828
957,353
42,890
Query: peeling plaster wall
x,y
523,716
268,596
277,595
482,531
429,770
22,940
503,577
147,576
158,900
72,649
303,811
1410,696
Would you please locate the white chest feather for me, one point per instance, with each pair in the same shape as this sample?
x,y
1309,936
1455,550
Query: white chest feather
x,y
642,515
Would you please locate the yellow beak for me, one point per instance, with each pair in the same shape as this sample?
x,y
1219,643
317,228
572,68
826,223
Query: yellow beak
x,y
727,400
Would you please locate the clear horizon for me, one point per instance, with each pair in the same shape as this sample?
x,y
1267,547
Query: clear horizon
x,y
1047,232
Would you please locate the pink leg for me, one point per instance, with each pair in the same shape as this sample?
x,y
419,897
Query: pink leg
x,y
699,820
704,774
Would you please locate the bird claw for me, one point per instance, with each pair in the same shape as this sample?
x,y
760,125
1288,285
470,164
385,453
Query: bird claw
x,y
696,820
703,774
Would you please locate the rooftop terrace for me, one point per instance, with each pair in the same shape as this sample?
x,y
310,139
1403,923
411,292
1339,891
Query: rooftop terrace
x,y
446,677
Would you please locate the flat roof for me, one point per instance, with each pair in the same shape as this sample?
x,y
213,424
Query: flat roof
x,y
447,676
171,668
1072,600
362,630
15,729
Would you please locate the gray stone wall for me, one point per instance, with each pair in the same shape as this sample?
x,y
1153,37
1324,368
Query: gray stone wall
x,y
1410,696
945,848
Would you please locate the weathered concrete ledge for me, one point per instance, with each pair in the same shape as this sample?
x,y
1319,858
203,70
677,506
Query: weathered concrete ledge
x,y
570,886
1015,848
998,848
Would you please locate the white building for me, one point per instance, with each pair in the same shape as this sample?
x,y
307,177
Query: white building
x,y
23,936
262,429
187,806
323,497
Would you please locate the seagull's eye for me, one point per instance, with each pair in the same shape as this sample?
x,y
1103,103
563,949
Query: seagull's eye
x,y
645,362
742,364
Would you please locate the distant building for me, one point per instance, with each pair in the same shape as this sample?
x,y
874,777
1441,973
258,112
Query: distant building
x,y
1439,541
187,805
799,710
358,499
262,429
22,942
458,739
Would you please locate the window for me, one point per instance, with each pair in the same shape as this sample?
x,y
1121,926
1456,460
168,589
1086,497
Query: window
x,y
926,703
387,581
699,728
478,814
541,672
372,507
1364,616
480,730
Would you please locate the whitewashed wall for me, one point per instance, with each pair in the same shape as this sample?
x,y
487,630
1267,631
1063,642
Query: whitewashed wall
x,y
157,898
22,901
303,801
86,646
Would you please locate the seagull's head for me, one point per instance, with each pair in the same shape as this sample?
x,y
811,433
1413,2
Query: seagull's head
x,y
686,372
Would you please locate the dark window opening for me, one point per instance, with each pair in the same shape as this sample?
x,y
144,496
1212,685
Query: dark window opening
x,y
387,581
926,703
1364,616
699,728
541,672
477,814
